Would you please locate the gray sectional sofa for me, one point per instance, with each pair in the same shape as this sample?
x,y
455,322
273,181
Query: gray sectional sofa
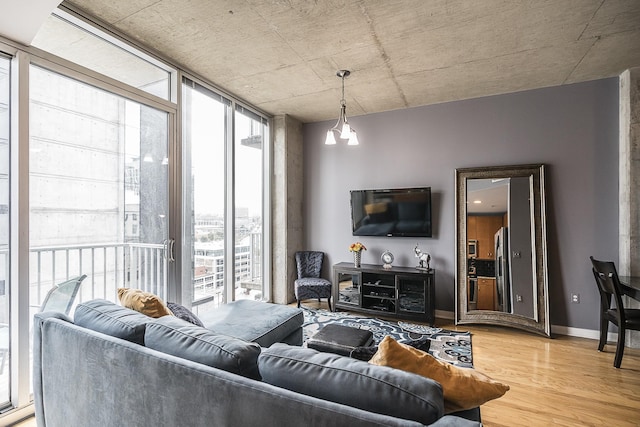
x,y
111,366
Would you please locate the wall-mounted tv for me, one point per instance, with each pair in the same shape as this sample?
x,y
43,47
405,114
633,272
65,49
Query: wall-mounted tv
x,y
401,212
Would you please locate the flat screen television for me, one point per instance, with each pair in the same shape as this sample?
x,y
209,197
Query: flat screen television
x,y
401,212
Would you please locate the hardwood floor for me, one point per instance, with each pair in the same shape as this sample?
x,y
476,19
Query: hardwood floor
x,y
562,381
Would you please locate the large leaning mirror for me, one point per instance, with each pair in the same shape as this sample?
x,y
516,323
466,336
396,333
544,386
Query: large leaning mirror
x,y
501,245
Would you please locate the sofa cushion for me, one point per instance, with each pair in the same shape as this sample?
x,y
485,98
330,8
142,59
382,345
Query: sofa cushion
x,y
179,338
463,388
111,319
184,313
352,382
144,302
256,321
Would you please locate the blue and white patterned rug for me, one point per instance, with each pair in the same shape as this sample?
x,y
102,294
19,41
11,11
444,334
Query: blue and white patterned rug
x,y
450,346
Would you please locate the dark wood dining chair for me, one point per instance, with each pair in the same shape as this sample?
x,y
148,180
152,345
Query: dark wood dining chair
x,y
624,318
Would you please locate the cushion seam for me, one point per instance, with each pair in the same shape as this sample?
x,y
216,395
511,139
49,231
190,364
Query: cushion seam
x,y
359,374
234,356
115,318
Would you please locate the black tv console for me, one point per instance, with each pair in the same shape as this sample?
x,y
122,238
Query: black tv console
x,y
397,292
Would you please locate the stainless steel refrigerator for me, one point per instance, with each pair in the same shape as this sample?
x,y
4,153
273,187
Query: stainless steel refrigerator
x,y
503,287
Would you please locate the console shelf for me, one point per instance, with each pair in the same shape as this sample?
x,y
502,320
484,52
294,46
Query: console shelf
x,y
401,292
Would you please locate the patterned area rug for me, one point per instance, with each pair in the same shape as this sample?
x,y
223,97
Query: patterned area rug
x,y
450,346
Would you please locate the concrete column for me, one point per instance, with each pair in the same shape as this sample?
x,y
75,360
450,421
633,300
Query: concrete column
x,y
287,205
629,222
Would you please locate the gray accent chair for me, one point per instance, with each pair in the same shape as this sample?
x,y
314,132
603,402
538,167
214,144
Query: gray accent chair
x,y
309,284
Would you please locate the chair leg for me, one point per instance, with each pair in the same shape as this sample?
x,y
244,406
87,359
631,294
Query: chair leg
x,y
620,347
329,302
298,303
604,330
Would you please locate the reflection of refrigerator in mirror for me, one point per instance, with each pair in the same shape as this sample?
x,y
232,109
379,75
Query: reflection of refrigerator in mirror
x,y
472,286
503,287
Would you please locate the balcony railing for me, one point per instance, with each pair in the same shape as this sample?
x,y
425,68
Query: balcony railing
x,y
107,266
131,265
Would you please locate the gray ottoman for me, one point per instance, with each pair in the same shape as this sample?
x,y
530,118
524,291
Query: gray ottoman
x,y
334,338
256,321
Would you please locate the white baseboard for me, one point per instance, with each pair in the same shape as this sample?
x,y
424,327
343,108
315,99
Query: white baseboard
x,y
555,329
582,333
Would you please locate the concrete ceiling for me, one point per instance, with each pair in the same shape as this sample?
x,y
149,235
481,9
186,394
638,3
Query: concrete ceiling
x,y
282,55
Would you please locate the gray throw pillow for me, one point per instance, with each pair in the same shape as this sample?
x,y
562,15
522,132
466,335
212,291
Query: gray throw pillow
x,y
179,338
184,313
352,382
111,319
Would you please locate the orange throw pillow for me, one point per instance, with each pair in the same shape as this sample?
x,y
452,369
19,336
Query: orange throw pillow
x,y
463,388
144,302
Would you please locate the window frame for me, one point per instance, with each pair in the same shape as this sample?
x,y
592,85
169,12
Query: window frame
x,y
229,213
22,57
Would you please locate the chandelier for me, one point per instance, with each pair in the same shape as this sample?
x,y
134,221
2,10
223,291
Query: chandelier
x,y
342,126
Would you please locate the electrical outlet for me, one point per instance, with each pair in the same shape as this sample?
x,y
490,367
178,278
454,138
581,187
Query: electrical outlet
x,y
575,298
519,298
517,254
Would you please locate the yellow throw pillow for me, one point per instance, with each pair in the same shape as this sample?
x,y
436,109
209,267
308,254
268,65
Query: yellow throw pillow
x,y
144,302
463,388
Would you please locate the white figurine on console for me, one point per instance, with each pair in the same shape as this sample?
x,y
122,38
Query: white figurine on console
x,y
423,259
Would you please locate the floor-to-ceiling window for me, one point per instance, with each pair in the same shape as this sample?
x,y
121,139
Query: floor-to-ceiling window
x,y
98,190
204,124
104,160
218,192
4,231
251,138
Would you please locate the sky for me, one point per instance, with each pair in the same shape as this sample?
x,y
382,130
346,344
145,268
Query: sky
x,y
207,146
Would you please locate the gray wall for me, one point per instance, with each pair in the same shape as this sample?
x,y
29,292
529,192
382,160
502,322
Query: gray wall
x,y
572,129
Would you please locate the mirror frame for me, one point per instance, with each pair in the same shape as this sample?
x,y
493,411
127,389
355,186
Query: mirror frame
x,y
540,324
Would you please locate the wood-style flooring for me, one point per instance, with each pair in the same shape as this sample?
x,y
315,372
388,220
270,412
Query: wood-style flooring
x,y
562,381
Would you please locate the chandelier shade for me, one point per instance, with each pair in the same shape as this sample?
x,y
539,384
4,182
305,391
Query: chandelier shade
x,y
342,127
